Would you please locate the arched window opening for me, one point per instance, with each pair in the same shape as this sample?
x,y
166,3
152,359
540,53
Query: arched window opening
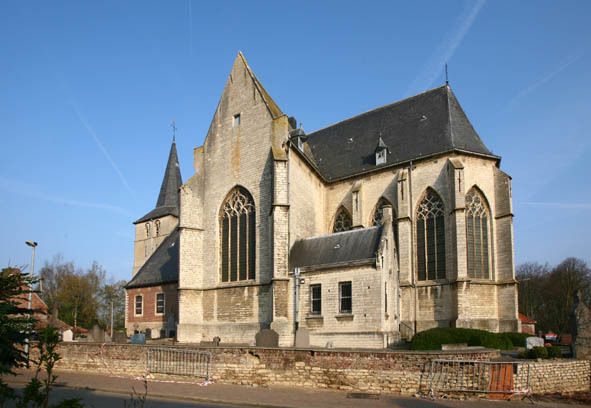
x,y
238,236
477,233
378,216
342,221
430,226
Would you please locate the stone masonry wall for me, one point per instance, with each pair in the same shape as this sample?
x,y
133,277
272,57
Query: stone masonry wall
x,y
556,376
376,371
402,372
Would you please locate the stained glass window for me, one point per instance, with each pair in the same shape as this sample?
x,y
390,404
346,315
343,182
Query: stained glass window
x,y
238,236
343,221
430,232
477,235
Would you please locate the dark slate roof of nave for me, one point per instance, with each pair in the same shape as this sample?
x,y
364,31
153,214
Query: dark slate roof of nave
x,y
423,125
160,268
168,199
334,249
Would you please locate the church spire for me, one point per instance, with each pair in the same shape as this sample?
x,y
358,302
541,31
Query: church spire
x,y
172,181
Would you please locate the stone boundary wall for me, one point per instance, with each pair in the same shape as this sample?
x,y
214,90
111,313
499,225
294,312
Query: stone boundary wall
x,y
397,372
372,371
558,376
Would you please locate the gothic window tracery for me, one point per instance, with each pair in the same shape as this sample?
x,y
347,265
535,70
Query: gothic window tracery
x,y
477,233
378,216
342,221
238,236
430,237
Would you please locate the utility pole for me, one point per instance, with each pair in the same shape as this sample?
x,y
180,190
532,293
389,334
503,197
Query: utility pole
x,y
111,318
33,245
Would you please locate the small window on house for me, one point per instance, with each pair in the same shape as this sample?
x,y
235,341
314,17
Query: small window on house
x,y
345,303
139,305
236,121
315,299
159,303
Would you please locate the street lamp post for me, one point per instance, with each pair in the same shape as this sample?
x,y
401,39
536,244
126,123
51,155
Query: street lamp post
x,y
33,245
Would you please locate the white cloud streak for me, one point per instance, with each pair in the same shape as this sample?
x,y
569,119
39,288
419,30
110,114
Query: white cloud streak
x,y
32,192
565,206
447,48
100,144
541,81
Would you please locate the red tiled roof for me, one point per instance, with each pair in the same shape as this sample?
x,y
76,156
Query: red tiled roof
x,y
527,320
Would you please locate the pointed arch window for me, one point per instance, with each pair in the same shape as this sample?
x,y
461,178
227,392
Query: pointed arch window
x,y
477,233
342,221
378,215
238,236
430,227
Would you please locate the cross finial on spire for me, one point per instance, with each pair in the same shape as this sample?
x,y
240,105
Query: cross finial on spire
x,y
446,78
173,126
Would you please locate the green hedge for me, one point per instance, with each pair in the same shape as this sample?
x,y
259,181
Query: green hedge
x,y
538,352
432,339
518,339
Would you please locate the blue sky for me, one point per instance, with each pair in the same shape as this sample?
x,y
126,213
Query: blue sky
x,y
88,91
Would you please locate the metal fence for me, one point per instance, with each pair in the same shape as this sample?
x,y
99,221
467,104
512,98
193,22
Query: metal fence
x,y
178,361
500,380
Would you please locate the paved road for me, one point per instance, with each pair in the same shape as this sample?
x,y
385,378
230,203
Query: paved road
x,y
101,399
111,391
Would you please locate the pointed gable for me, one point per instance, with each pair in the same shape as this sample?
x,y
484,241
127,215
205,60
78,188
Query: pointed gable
x,y
273,108
168,199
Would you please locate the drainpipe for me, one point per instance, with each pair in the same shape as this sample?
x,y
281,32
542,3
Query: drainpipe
x,y
296,301
412,247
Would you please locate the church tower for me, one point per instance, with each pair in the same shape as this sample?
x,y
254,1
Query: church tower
x,y
155,226
151,300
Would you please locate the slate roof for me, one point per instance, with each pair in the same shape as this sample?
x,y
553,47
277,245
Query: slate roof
x,y
336,249
160,268
423,125
168,199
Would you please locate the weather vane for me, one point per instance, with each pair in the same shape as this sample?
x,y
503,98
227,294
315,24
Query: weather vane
x,y
173,126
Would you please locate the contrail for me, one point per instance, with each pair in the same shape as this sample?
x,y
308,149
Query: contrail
x,y
446,49
566,206
100,145
524,92
31,192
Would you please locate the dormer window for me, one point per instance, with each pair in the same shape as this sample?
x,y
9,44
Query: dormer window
x,y
236,120
381,157
301,144
381,152
298,136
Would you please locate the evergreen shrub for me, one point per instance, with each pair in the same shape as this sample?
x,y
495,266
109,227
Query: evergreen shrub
x,y
432,339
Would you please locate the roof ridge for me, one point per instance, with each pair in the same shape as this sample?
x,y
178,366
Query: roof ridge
x,y
388,105
354,230
449,124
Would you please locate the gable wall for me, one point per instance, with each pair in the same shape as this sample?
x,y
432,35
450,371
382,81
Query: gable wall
x,y
231,156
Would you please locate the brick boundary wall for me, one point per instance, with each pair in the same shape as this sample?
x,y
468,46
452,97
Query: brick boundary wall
x,y
397,372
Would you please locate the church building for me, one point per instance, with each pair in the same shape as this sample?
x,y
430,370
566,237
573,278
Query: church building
x,y
360,234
